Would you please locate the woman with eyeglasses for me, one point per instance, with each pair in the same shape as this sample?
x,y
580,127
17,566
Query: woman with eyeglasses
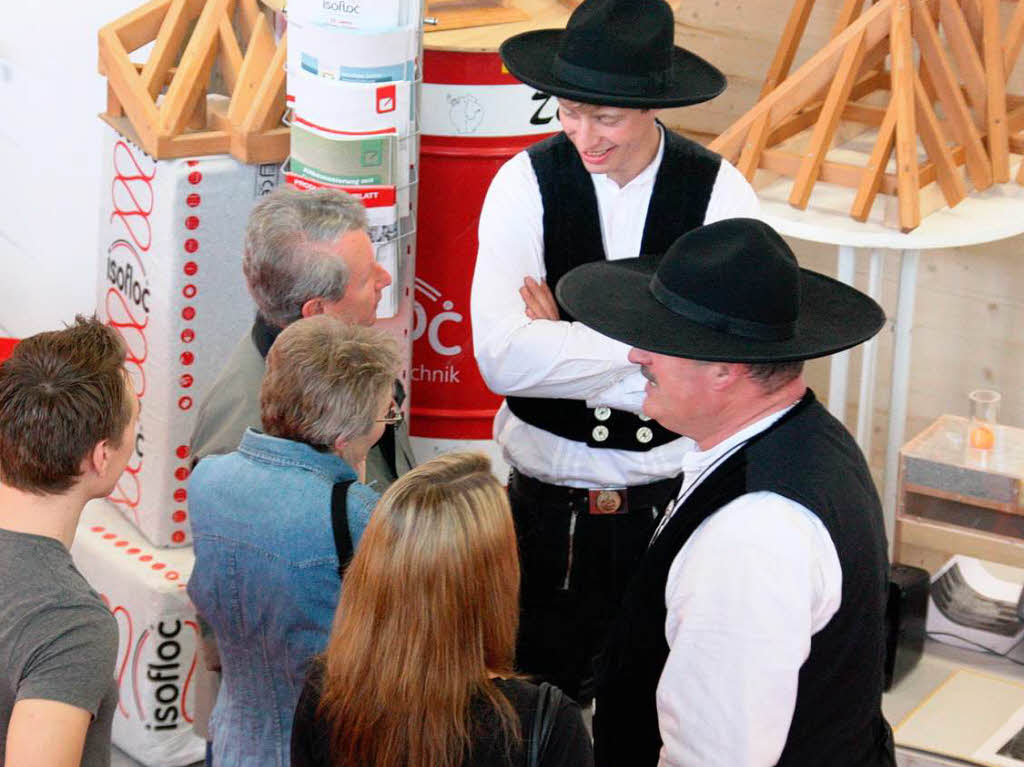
x,y
274,521
418,671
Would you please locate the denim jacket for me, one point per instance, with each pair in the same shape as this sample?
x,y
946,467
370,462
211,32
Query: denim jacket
x,y
266,580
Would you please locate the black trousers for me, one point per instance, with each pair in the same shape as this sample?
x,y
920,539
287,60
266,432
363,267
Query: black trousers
x,y
575,567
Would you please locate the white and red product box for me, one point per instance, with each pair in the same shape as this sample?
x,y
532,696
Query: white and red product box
x,y
144,587
170,282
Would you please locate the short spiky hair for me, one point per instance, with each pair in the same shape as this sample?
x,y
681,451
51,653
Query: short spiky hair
x,y
61,393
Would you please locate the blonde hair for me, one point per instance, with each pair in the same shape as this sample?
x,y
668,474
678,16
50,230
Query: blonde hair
x,y
429,611
325,379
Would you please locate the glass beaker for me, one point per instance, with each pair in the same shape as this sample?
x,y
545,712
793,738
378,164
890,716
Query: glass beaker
x,y
984,415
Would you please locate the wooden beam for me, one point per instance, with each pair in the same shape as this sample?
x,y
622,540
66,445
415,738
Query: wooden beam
x,y
248,12
757,138
254,67
166,47
903,74
124,79
788,43
849,12
871,178
193,73
958,34
807,82
230,53
937,147
268,105
807,117
951,96
139,27
1014,38
972,12
825,127
998,134
114,108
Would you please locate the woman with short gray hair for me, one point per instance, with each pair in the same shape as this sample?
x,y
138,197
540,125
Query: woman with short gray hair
x,y
275,521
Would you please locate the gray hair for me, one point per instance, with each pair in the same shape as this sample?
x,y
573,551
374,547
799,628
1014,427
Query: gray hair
x,y
288,258
325,379
772,376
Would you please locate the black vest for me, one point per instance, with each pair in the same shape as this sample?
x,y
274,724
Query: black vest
x,y
809,457
572,236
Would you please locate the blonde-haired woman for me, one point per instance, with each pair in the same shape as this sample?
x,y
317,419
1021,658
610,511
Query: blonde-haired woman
x,y
418,671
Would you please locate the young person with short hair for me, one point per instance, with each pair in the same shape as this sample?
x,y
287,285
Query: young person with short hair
x,y
67,426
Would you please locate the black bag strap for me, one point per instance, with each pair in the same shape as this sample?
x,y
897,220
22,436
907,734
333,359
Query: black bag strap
x,y
339,524
549,700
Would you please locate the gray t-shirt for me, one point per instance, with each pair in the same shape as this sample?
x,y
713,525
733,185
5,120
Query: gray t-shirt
x,y
57,639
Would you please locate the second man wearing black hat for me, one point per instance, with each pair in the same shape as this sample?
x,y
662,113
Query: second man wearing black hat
x,y
753,632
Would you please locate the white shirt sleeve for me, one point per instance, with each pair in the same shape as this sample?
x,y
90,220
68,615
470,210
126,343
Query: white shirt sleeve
x,y
732,196
516,355
744,596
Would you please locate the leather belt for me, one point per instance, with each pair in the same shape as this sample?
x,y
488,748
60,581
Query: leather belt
x,y
599,500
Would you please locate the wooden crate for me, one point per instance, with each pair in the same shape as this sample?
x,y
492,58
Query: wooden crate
x,y
954,499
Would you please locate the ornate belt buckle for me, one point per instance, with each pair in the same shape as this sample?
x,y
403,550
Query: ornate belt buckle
x,y
607,500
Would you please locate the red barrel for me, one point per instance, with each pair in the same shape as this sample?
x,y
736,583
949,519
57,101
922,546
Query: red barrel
x,y
474,116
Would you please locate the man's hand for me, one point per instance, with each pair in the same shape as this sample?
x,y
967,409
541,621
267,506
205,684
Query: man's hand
x,y
539,300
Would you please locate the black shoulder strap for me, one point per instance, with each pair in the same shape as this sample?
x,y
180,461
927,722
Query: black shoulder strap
x,y
549,700
339,524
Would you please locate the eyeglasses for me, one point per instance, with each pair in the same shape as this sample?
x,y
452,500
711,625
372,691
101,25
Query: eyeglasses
x,y
393,416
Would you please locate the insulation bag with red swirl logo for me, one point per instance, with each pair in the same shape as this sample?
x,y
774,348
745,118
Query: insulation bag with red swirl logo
x,y
170,282
157,650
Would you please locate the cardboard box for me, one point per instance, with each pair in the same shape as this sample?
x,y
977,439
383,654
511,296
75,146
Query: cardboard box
x,y
144,587
170,282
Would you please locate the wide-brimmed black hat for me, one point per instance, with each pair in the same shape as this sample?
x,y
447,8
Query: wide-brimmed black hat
x,y
730,291
613,53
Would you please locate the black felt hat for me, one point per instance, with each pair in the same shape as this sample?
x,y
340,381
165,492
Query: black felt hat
x,y
614,53
730,291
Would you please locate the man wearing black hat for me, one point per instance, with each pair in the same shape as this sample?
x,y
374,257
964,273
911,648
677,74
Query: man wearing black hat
x,y
590,476
752,633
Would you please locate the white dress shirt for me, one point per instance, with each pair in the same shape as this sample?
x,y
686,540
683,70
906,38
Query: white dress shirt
x,y
568,360
744,595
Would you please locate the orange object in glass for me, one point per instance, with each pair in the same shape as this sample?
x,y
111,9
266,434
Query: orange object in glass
x,y
982,437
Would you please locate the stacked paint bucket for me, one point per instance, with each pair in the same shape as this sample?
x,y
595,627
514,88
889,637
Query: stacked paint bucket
x,y
352,85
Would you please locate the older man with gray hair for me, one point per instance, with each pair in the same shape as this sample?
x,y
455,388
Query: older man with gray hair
x,y
306,253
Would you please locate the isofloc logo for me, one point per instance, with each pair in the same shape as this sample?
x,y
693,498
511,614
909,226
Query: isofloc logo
x,y
340,6
428,321
169,676
126,276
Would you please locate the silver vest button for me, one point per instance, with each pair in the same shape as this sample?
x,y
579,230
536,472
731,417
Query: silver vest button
x,y
600,433
602,413
643,417
644,435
